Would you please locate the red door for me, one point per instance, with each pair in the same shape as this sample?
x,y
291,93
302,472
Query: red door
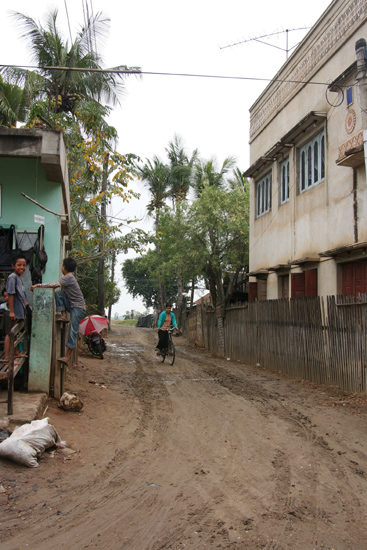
x,y
348,279
311,283
252,292
354,278
298,285
304,285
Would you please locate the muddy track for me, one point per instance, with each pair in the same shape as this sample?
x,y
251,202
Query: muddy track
x,y
206,453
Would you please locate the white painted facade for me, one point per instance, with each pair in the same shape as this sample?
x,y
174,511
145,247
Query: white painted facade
x,y
323,223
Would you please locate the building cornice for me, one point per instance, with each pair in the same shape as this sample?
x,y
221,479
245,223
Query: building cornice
x,y
326,36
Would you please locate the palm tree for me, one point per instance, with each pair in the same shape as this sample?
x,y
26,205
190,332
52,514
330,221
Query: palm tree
x,y
207,173
181,167
238,181
64,88
13,104
155,176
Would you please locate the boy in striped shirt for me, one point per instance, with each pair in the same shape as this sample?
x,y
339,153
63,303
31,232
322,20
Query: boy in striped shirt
x,y
69,298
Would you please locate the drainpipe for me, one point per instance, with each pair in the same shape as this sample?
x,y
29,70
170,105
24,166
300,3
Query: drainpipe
x,y
361,78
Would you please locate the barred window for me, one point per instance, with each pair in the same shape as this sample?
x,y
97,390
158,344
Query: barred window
x,y
312,162
284,181
263,195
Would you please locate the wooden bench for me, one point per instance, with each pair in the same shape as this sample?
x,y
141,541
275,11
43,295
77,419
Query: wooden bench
x,y
9,369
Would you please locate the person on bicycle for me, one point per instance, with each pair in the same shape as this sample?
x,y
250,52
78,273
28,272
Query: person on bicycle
x,y
165,321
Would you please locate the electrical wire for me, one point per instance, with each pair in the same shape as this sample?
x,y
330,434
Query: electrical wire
x,y
186,75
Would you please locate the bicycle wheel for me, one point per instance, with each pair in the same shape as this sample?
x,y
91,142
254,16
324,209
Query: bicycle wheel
x,y
171,352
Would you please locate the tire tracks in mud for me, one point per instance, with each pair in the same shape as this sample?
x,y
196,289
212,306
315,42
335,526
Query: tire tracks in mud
x,y
123,491
351,484
113,479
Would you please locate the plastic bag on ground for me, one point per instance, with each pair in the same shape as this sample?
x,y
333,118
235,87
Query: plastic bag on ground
x,y
29,441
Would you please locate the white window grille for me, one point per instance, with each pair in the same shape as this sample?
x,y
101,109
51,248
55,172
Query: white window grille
x,y
284,181
263,195
312,162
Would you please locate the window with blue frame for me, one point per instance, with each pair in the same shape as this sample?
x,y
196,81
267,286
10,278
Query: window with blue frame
x,y
349,96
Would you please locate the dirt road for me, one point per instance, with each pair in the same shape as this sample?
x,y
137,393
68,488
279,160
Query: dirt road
x,y
206,453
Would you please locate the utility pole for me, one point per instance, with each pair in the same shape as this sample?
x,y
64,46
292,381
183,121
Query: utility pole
x,y
101,262
113,280
361,78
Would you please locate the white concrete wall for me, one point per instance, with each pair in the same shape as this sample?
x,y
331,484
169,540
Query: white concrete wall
x,y
321,218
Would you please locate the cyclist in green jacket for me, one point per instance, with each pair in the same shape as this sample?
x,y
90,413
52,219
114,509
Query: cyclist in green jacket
x,y
166,320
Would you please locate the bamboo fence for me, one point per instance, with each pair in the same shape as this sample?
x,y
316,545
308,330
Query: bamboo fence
x,y
316,339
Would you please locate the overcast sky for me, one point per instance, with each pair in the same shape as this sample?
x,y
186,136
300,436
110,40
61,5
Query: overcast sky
x,y
181,37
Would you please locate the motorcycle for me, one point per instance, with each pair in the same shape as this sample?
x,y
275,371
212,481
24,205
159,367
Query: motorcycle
x,y
95,343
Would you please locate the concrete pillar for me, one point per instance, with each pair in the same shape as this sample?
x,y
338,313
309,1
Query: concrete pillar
x,y
41,340
361,78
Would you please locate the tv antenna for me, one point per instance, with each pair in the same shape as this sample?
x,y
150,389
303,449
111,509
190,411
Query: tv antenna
x,y
260,37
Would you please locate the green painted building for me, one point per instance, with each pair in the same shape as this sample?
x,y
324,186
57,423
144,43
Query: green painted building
x,y
34,192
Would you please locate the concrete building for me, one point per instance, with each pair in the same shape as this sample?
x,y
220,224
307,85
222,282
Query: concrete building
x,y
34,192
308,230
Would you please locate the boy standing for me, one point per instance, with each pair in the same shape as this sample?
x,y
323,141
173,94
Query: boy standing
x,y
69,298
16,300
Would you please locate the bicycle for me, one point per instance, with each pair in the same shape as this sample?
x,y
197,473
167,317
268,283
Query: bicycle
x,y
169,351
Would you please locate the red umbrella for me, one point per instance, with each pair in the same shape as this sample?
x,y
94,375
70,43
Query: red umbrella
x,y
91,323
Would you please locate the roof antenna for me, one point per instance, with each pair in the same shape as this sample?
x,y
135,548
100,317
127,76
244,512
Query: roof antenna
x,y
258,39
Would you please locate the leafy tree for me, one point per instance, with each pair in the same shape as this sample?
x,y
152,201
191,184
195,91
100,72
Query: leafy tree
x,y
218,227
211,241
142,278
176,248
139,281
88,278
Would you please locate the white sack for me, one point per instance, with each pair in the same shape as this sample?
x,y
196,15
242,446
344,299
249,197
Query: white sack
x,y
28,442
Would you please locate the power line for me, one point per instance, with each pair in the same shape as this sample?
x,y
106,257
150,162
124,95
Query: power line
x,y
94,28
67,16
151,73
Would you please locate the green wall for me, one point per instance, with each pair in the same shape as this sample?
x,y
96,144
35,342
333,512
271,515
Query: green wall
x,y
27,176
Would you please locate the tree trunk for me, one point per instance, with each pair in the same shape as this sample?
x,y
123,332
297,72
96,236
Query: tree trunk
x,y
179,295
221,338
161,288
192,295
113,280
216,287
101,262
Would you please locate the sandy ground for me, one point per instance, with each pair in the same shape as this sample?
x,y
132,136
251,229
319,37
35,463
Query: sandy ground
x,y
206,453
